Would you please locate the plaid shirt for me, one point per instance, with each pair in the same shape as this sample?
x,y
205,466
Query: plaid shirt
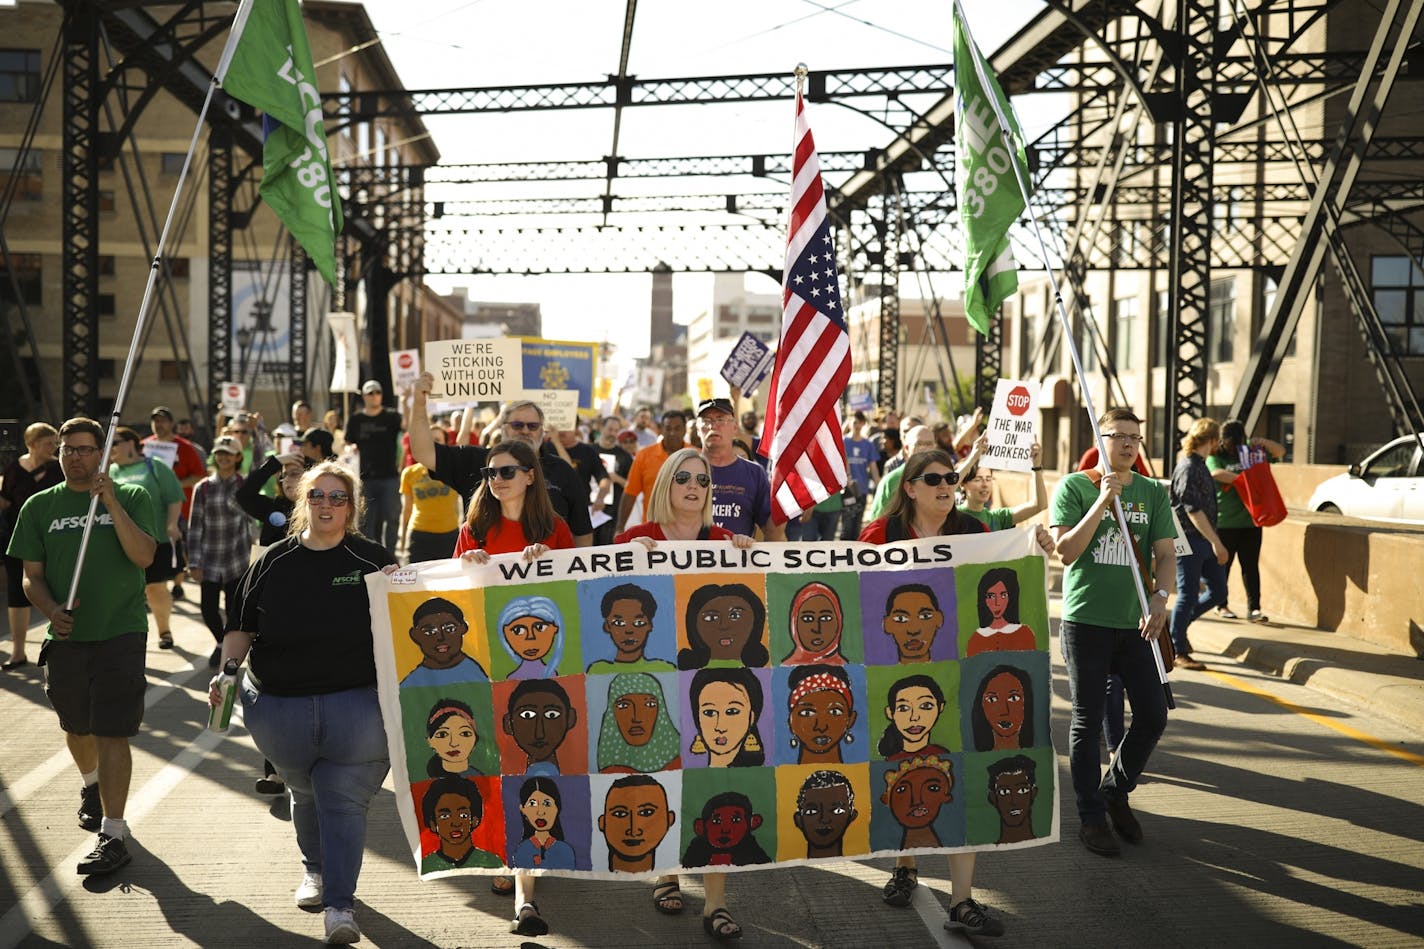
x,y
219,533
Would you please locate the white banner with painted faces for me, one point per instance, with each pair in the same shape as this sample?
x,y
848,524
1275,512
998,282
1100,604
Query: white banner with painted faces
x,y
618,711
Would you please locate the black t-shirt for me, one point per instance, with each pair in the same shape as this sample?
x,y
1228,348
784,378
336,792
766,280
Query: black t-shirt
x,y
622,464
251,499
586,463
376,436
459,467
310,616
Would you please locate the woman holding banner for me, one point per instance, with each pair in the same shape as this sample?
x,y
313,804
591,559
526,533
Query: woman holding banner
x,y
924,506
680,508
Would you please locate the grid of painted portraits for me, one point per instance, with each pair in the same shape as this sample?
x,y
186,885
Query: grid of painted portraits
x,y
634,723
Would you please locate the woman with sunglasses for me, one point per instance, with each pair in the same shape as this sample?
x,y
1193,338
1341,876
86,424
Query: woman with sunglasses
x,y
309,696
511,513
924,506
680,505
680,508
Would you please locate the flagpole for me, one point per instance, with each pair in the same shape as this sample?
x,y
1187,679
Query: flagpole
x,y
1138,580
145,304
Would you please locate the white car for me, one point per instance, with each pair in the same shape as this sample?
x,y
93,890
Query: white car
x,y
1386,486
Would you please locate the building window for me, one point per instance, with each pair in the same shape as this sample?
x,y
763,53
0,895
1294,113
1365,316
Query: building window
x,y
1162,326
26,173
28,273
106,201
1221,319
1124,325
172,162
1397,285
178,267
19,75
106,307
106,265
169,371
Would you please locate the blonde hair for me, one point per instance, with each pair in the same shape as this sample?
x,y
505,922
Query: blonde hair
x,y
1202,432
38,430
301,514
660,500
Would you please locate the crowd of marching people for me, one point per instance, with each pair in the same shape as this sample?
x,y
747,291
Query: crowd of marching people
x,y
270,528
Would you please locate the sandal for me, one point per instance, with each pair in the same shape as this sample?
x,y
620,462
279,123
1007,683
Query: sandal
x,y
900,888
667,898
165,640
721,926
528,922
501,885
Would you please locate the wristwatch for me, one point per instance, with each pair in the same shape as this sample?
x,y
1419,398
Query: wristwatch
x,y
1164,594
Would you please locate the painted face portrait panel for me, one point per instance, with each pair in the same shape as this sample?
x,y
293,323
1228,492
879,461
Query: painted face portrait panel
x,y
722,621
567,811
921,802
910,615
826,820
447,736
995,803
905,712
1003,699
1002,607
636,823
808,615
455,820
730,725
822,712
701,786
540,728
628,624
533,630
635,719
436,640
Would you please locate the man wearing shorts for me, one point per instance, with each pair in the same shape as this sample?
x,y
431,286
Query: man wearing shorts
x,y
93,656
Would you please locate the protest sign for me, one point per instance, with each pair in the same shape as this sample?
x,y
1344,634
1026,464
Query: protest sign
x,y
594,687
560,407
1012,427
166,452
560,364
346,366
861,402
650,386
748,364
405,368
485,370
234,397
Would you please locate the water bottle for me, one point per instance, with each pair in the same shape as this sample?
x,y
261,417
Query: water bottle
x,y
220,715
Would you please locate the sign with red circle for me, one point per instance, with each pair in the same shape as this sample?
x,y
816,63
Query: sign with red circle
x,y
405,360
1018,400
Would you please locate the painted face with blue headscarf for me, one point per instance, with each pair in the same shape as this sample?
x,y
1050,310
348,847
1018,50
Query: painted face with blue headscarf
x,y
532,628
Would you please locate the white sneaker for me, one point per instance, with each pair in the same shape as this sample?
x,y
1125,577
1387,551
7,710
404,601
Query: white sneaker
x,y
341,928
308,895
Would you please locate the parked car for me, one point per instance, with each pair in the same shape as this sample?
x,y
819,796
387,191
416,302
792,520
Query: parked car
x,y
1386,486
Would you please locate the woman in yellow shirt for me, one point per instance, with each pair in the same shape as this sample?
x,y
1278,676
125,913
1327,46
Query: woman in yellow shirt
x,y
430,512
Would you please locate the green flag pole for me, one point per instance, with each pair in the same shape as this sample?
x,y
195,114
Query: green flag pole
x,y
1019,176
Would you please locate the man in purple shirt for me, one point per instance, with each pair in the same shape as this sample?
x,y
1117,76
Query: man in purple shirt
x,y
741,492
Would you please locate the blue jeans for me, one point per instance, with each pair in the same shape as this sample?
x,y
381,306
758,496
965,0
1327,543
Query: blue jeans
x,y
822,526
1092,652
1191,571
381,522
331,749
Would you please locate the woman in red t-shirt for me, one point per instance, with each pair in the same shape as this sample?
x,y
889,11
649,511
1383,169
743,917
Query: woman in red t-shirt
x,y
924,506
680,505
511,512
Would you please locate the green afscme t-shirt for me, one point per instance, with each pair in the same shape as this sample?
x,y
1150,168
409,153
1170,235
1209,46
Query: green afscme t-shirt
x,y
994,518
1230,512
1098,587
111,599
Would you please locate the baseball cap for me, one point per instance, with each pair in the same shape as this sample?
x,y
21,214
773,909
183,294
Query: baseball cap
x,y
227,443
369,386
714,405
286,430
627,433
318,437
164,411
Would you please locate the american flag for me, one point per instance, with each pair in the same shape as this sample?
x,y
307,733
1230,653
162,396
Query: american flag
x,y
802,431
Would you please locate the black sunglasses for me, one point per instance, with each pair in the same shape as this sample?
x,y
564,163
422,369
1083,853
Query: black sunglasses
x,y
503,472
933,478
682,477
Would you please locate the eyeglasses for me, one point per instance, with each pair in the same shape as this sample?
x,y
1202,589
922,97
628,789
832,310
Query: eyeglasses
x,y
1122,438
524,426
503,472
83,451
334,498
682,477
934,478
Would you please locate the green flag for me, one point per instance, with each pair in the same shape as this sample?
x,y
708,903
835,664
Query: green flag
x,y
989,195
268,64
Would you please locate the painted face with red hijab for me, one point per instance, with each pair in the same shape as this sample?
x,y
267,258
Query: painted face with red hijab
x,y
815,622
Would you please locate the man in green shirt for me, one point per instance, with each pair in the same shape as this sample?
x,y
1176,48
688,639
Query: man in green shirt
x,y
1103,628
129,465
93,654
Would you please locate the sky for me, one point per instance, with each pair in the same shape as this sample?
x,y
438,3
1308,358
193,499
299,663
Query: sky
x,y
459,43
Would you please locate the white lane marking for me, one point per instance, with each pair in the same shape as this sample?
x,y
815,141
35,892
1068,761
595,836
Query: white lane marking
x,y
42,775
40,900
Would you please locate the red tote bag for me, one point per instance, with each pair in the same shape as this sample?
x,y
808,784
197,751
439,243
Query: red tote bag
x,y
1257,487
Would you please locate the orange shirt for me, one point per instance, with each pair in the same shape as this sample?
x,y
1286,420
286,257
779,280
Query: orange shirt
x,y
646,464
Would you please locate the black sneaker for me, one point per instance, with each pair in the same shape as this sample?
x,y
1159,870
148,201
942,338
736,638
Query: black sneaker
x,y
271,784
178,593
1097,838
900,888
973,918
108,855
1124,821
91,808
